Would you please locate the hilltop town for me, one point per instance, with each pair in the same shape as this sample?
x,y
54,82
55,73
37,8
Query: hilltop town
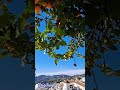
x,y
64,82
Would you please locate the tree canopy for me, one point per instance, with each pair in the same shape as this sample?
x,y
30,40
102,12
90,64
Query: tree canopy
x,y
93,24
63,20
17,34
90,24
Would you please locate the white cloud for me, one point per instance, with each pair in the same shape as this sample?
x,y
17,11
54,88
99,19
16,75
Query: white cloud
x,y
67,72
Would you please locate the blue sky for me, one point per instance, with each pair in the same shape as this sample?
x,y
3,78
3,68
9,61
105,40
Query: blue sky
x,y
46,66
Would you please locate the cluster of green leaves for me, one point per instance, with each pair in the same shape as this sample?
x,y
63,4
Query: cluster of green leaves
x,y
102,35
14,37
97,19
104,38
63,20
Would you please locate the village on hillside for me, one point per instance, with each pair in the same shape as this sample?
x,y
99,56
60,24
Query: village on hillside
x,y
66,84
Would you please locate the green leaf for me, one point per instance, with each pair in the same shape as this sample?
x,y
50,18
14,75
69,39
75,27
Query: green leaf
x,y
106,70
70,53
56,61
57,47
117,73
37,34
63,43
109,73
4,54
58,31
81,56
50,25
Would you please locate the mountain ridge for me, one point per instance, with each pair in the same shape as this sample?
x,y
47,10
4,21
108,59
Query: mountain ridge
x,y
54,78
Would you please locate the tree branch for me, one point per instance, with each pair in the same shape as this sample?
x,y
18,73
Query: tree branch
x,y
94,79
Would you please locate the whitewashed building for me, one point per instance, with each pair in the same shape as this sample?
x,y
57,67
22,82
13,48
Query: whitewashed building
x,y
73,84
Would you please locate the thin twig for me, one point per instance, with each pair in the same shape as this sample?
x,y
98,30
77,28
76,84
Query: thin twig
x,y
96,64
94,79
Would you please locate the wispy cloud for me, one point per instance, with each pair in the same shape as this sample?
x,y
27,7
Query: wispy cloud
x,y
67,72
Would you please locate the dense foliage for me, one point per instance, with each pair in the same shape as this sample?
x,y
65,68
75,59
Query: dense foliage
x,y
72,19
63,21
93,24
73,24
17,34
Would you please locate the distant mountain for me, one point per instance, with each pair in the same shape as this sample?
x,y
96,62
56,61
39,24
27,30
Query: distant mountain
x,y
82,75
55,78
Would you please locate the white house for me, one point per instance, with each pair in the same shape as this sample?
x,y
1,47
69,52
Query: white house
x,y
36,86
73,85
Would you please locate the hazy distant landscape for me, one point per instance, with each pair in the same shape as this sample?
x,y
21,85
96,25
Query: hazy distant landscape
x,y
54,78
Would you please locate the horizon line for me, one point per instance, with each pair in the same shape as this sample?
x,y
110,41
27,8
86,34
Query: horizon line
x,y
68,72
